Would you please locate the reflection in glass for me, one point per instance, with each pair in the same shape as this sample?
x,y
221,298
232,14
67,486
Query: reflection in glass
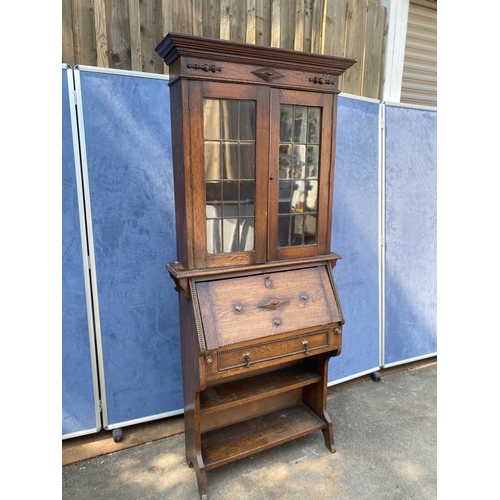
x,y
213,193
247,120
299,162
247,198
229,131
247,234
311,204
212,160
214,236
211,119
286,123
284,230
312,161
230,191
298,230
310,229
298,196
285,171
299,153
299,126
284,193
313,117
230,160
247,160
229,119
230,235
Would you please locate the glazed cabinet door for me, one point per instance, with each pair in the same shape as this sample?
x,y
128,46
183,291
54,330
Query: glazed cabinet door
x,y
301,172
229,161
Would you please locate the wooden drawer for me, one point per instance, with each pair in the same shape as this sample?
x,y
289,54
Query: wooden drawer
x,y
246,308
302,344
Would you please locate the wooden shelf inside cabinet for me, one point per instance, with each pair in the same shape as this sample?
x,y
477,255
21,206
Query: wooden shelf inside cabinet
x,y
243,439
251,389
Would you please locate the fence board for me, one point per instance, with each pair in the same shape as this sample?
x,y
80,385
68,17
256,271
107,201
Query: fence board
x,y
68,54
150,16
298,42
355,45
101,39
197,17
225,23
166,25
83,32
375,23
118,35
237,21
263,13
275,23
211,18
135,35
334,22
287,26
182,17
250,28
317,8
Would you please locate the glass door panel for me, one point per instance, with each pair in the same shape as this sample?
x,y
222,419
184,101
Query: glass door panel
x,y
229,144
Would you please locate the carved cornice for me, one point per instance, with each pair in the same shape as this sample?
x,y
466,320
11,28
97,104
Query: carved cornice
x,y
175,45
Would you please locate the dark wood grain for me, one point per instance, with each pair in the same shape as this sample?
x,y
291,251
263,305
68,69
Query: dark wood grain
x,y
245,391
257,327
243,439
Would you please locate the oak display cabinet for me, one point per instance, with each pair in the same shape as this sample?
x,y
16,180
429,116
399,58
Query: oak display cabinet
x,y
253,143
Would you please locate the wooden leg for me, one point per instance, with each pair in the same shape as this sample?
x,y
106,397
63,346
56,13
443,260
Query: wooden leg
x,y
201,477
328,435
315,396
192,437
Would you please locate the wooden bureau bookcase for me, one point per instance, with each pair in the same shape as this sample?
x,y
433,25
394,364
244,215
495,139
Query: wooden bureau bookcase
x,y
253,142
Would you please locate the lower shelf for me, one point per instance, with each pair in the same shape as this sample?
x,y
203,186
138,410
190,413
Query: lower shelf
x,y
243,439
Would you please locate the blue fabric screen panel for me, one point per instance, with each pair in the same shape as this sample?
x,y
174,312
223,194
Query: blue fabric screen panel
x,y
128,148
355,236
78,395
410,234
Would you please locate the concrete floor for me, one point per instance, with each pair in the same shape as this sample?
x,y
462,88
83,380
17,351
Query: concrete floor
x,y
385,436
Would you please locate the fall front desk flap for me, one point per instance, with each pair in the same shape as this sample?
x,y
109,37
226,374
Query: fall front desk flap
x,y
246,308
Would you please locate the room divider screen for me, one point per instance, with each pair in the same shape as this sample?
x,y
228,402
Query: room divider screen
x,y
80,392
355,236
121,345
410,259
124,124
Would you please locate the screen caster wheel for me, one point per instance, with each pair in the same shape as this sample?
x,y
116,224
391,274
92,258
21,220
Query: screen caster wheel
x,y
117,435
376,377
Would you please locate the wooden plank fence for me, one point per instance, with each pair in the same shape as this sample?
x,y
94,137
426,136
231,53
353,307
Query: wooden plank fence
x,y
123,35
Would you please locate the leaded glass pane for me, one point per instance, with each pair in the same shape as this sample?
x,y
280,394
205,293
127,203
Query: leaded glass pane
x,y
299,153
229,131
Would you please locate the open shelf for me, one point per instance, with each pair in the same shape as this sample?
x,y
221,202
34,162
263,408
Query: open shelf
x,y
246,438
244,391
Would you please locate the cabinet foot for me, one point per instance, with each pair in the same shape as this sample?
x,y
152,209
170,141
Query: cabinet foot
x,y
328,436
